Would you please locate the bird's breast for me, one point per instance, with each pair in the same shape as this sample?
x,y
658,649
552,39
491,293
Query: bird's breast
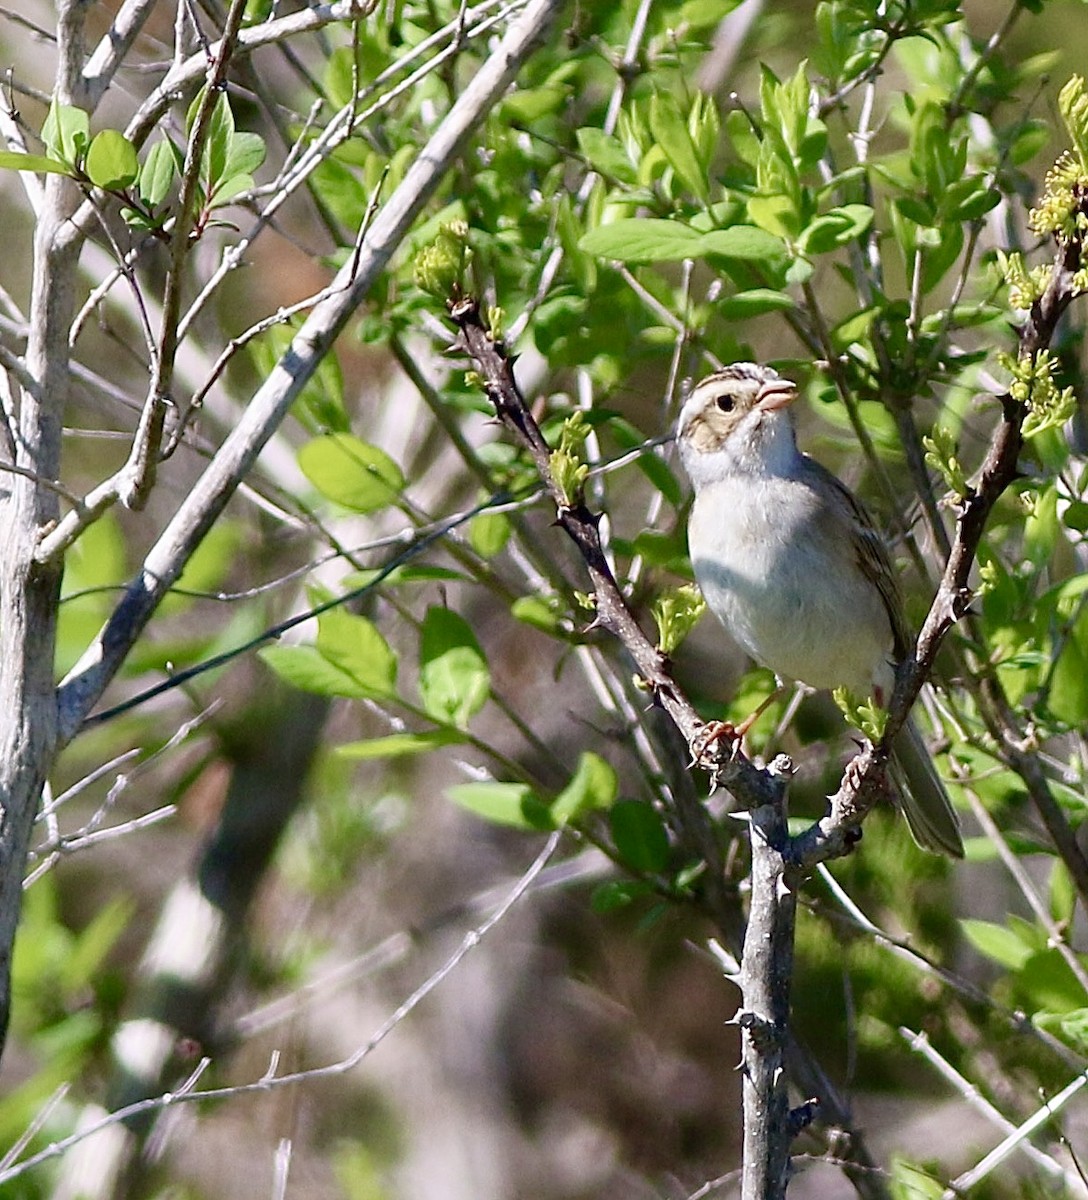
x,y
784,581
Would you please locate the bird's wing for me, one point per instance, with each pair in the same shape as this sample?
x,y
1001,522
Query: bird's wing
x,y
872,556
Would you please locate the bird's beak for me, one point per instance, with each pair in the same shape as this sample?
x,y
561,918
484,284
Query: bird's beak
x,y
775,394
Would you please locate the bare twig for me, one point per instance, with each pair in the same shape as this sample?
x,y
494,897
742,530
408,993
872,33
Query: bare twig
x,y
962,1184
921,1044
271,1080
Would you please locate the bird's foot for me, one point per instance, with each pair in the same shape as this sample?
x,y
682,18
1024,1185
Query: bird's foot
x,y
711,733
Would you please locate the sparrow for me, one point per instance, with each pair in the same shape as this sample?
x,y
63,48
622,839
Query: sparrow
x,y
794,568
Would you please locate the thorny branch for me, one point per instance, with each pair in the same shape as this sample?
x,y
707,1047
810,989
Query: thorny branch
x,y
778,861
863,781
763,977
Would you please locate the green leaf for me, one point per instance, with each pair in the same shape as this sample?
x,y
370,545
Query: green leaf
x,y
306,668
1047,981
454,680
530,104
941,255
66,133
213,161
835,228
542,612
245,154
1063,893
917,209
606,155
354,644
774,212
111,161
643,239
157,173
748,243
352,472
619,893
670,131
1072,1026
488,533
11,161
997,942
594,785
229,187
503,803
398,745
754,302
1068,696
640,835
701,14
738,127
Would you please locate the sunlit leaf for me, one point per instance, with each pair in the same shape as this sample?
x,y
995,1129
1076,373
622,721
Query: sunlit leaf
x,y
353,644
643,239
352,472
398,745
111,161
593,785
454,680
11,161
503,803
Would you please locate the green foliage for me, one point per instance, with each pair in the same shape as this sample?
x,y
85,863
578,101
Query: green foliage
x,y
567,468
454,681
1073,106
594,785
865,715
676,613
11,160
351,472
512,804
111,161
941,456
441,265
349,658
228,159
640,837
1033,386
63,992
320,405
66,134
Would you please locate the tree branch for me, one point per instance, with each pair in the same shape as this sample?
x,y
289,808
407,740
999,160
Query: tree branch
x,y
79,691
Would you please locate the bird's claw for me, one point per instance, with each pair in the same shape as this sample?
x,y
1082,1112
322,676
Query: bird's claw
x,y
711,732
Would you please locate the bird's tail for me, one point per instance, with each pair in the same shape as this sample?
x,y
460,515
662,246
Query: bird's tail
x,y
930,816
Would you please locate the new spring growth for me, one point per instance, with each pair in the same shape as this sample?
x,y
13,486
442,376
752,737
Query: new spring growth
x,y
1062,212
941,457
568,470
1033,386
869,717
676,613
1025,286
440,267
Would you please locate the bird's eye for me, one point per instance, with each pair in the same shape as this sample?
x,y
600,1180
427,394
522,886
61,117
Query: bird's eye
x,y
725,403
